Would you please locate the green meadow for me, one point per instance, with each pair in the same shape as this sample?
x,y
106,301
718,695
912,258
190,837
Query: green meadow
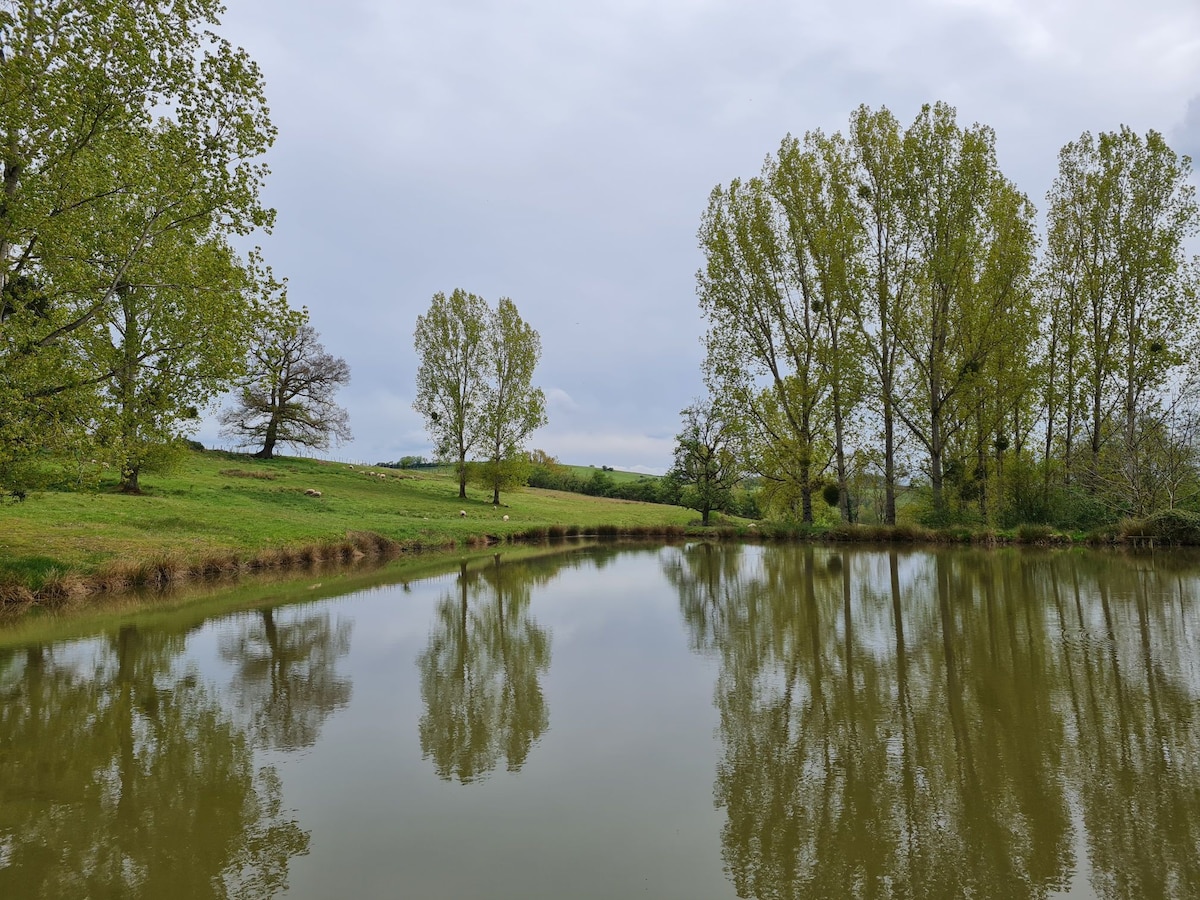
x,y
218,504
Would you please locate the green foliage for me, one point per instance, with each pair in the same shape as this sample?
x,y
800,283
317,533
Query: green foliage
x,y
129,164
512,407
474,381
1172,526
706,466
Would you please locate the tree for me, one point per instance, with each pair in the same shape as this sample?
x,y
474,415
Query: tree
x,y
286,396
1121,210
170,342
127,136
973,231
512,408
451,344
876,141
706,467
473,385
813,184
759,295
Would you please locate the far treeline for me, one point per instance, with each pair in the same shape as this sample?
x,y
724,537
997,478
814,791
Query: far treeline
x,y
882,313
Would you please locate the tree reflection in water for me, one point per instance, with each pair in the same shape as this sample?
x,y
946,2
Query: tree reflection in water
x,y
286,681
481,672
151,790
941,724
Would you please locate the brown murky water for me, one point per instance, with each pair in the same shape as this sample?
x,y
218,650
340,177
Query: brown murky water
x,y
687,721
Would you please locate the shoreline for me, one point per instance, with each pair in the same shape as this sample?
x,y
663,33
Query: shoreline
x,y
160,574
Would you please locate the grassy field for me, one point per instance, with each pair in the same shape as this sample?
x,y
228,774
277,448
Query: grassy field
x,y
219,503
618,476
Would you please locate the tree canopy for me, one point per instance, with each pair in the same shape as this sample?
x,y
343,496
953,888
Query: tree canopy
x,y
875,299
474,384
130,146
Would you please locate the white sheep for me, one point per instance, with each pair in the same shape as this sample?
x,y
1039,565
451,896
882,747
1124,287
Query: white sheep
x,y
506,518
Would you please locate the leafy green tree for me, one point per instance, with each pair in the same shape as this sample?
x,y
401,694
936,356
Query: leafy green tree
x,y
706,467
287,393
973,231
128,140
764,325
474,386
1121,211
171,341
813,184
512,407
889,264
451,341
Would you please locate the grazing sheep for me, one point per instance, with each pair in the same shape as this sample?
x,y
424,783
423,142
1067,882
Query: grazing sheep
x,y
463,513
506,518
312,493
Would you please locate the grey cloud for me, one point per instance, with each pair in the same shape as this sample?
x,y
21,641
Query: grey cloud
x,y
562,154
1187,135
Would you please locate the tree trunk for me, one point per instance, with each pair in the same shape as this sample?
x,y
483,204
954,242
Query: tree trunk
x,y
462,475
129,479
889,458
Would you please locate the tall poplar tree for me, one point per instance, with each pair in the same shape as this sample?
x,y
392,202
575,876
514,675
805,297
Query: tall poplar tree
x,y
451,341
474,385
889,260
512,407
973,234
1120,213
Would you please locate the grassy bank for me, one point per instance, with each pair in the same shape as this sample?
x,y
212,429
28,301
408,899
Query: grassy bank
x,y
221,515
222,511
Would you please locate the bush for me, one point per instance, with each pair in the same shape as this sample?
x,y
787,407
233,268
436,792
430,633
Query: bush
x,y
1172,526
1034,534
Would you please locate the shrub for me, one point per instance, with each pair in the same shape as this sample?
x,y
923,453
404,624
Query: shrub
x,y
1034,534
1172,526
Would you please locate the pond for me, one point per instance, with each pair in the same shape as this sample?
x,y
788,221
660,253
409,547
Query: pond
x,y
685,721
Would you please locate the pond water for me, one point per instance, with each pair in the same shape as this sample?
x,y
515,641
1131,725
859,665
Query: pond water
x,y
687,721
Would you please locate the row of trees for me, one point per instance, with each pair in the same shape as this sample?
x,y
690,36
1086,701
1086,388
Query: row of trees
x,y
475,385
131,140
875,300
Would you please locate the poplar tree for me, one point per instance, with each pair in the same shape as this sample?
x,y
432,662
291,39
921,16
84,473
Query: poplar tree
x,y
451,344
475,385
973,235
512,407
1123,292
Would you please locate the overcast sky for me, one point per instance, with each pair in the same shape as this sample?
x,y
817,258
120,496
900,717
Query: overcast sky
x,y
561,153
